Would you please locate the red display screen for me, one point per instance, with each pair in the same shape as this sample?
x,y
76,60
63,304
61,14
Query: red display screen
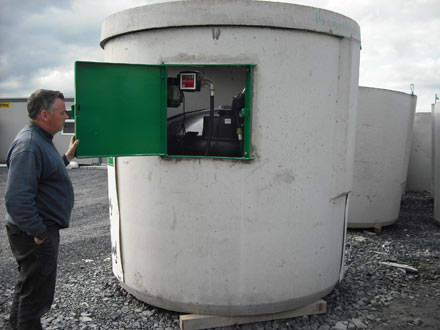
x,y
188,81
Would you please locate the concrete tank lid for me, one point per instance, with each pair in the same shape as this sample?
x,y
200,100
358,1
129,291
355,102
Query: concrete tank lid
x,y
228,12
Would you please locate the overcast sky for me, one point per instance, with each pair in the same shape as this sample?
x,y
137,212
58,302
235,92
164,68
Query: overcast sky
x,y
41,39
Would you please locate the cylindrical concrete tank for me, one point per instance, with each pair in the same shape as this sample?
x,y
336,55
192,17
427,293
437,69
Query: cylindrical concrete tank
x,y
420,160
436,159
235,237
383,143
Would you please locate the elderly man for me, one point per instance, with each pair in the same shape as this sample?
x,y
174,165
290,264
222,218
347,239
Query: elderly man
x,y
39,201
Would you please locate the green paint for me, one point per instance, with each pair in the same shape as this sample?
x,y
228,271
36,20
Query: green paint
x,y
321,18
247,112
119,109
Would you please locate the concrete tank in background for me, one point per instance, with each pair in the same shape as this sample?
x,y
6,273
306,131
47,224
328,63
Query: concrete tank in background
x,y
436,159
383,143
234,237
420,161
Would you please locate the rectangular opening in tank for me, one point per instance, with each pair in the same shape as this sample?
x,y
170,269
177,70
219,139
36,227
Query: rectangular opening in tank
x,y
208,111
200,111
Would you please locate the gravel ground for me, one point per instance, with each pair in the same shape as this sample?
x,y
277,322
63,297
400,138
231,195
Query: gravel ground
x,y
371,296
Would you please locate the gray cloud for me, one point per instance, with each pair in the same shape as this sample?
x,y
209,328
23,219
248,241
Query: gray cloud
x,y
400,43
40,41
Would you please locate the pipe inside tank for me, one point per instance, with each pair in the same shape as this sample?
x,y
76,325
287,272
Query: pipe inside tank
x,y
211,115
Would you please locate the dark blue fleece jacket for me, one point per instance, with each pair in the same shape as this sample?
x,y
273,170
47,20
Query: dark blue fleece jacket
x,y
39,191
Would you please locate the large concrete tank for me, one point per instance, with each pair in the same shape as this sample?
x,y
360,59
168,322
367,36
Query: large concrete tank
x,y
383,142
420,168
233,237
436,159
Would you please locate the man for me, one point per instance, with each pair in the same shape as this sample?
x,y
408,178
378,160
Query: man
x,y
39,201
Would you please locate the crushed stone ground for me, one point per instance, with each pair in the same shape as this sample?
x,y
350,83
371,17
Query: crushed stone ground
x,y
371,296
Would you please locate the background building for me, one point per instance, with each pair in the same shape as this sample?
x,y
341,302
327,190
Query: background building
x,y
13,117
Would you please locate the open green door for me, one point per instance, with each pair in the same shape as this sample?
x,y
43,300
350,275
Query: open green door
x,y
120,109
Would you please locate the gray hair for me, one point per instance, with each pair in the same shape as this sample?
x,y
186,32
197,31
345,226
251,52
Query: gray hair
x,y
42,99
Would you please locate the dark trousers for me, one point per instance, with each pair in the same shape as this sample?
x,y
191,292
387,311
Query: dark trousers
x,y
37,265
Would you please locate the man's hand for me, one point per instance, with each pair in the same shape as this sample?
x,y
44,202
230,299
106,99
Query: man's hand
x,y
38,241
70,153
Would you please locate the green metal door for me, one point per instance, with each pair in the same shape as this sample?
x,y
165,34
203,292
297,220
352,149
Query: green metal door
x,y
120,109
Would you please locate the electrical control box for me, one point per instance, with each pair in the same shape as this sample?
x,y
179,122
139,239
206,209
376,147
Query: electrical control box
x,y
190,81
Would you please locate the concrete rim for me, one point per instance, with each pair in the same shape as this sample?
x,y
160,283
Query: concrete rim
x,y
228,13
385,90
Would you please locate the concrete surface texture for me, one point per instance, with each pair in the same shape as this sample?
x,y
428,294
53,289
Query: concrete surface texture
x,y
436,158
383,142
228,13
191,230
420,161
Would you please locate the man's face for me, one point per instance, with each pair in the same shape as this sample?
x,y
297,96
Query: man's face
x,y
57,117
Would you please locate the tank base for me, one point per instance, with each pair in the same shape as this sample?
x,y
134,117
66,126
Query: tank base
x,y
359,225
227,310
